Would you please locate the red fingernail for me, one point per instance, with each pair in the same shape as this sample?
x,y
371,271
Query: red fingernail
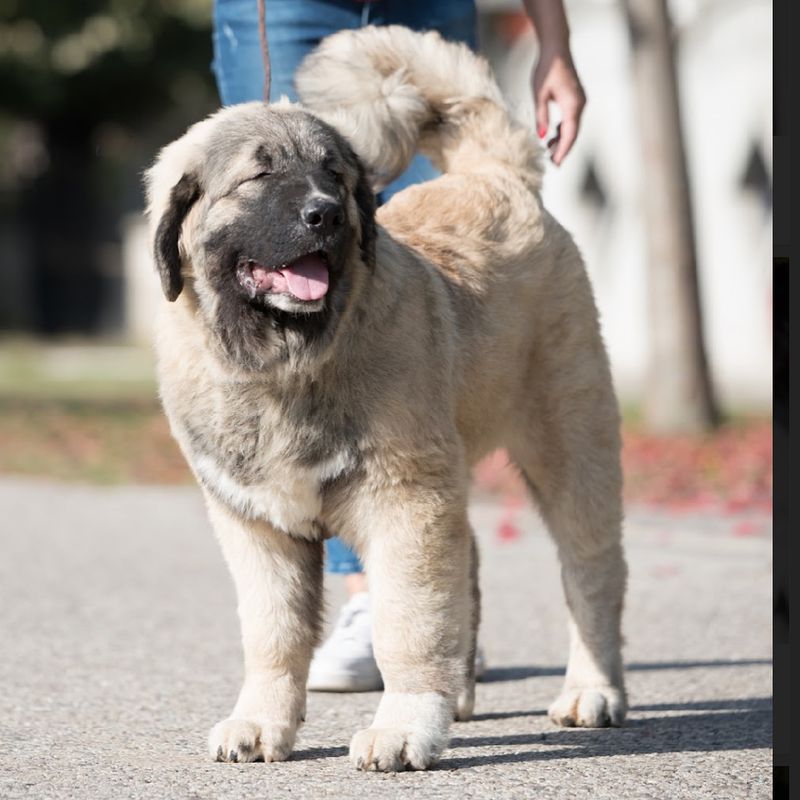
x,y
542,131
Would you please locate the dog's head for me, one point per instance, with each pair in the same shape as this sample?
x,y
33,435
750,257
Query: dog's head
x,y
265,215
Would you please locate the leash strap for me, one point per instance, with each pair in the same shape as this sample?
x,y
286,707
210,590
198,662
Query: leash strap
x,y
262,34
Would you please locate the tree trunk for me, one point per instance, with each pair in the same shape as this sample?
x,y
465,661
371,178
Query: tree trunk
x,y
679,396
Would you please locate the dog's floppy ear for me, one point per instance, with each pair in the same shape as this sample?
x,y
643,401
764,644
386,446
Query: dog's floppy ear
x,y
173,184
365,202
182,197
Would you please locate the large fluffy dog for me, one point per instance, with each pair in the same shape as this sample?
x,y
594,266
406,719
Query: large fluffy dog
x,y
327,368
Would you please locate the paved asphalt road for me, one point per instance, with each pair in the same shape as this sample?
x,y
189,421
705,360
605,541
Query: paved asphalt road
x,y
120,649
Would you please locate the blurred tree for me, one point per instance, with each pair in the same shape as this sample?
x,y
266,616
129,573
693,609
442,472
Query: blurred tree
x,y
679,396
98,84
76,65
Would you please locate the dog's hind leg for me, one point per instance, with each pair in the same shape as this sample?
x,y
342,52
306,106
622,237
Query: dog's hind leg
x,y
465,702
575,477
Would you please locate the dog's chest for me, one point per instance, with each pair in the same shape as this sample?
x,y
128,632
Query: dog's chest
x,y
266,470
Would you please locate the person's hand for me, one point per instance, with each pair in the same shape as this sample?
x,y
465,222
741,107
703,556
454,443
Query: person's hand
x,y
554,79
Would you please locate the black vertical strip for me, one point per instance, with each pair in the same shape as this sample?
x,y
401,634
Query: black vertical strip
x,y
781,369
782,521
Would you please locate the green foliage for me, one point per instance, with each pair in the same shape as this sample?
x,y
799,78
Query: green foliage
x,y
89,91
74,64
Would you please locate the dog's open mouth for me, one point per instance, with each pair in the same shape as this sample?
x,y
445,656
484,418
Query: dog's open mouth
x,y
306,278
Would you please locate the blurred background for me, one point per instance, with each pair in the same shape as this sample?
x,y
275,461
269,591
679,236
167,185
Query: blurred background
x,y
90,90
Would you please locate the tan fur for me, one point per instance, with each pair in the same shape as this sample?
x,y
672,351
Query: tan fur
x,y
475,330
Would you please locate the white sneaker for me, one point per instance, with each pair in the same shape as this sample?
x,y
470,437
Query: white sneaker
x,y
345,661
480,663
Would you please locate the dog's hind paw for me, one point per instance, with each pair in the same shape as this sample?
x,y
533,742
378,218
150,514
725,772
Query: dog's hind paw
x,y
590,707
241,740
465,704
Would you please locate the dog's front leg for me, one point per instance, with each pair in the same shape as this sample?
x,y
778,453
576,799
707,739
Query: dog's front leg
x,y
418,566
278,584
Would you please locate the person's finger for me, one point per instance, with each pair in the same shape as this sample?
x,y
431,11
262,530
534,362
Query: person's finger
x,y
540,99
569,132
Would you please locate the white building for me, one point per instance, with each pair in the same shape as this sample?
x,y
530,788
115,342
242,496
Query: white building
x,y
725,79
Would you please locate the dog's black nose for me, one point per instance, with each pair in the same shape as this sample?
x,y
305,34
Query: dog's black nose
x,y
323,214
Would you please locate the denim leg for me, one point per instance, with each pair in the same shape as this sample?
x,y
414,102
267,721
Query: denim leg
x,y
340,559
457,21
294,28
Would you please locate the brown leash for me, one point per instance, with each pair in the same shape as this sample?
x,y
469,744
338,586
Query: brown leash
x,y
262,34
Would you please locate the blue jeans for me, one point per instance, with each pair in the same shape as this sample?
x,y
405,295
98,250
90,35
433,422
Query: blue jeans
x,y
294,28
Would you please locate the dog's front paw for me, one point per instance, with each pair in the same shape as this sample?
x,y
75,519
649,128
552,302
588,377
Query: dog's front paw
x,y
409,731
589,707
240,740
391,750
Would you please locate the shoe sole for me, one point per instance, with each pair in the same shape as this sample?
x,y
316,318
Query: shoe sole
x,y
344,683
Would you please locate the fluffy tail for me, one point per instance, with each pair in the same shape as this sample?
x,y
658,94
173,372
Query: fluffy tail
x,y
391,91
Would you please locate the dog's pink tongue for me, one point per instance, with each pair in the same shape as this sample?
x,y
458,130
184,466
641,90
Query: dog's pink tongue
x,y
307,278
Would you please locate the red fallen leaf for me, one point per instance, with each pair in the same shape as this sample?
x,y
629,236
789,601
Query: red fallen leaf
x,y
513,501
729,470
706,498
507,531
732,466
689,504
665,570
747,528
739,503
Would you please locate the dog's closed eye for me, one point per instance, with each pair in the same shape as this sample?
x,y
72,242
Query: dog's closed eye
x,y
333,168
257,177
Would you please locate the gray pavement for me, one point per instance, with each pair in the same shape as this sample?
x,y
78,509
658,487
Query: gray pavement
x,y
120,649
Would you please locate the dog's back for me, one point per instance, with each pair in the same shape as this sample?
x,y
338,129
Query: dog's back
x,y
517,285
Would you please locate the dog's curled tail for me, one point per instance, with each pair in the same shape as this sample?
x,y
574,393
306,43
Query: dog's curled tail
x,y
391,91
